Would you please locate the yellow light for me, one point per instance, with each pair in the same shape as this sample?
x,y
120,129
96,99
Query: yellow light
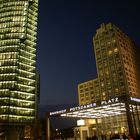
x,y
92,121
110,52
116,50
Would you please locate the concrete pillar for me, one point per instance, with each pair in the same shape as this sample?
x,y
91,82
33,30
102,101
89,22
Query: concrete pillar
x,y
81,134
47,128
82,130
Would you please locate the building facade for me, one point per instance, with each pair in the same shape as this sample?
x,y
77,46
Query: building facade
x,y
118,67
18,78
118,76
88,91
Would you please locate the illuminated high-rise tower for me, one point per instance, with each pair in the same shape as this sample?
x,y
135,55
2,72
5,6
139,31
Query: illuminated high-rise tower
x,y
18,82
118,76
118,67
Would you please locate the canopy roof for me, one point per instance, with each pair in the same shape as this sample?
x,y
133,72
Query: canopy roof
x,y
101,109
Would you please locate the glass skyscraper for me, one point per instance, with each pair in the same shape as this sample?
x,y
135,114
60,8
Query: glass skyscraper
x,y
18,78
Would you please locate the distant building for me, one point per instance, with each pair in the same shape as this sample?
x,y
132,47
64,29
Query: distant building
x,y
118,67
18,78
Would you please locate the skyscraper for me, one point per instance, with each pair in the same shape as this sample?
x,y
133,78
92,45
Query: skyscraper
x,y
18,78
118,76
118,67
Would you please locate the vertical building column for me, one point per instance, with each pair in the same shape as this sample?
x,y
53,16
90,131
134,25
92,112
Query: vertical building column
x,y
47,127
129,118
134,120
81,134
138,118
96,132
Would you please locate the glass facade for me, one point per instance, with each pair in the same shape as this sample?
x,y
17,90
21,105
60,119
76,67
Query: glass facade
x,y
18,36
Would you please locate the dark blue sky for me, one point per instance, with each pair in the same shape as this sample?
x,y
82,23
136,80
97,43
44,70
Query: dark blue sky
x,y
65,29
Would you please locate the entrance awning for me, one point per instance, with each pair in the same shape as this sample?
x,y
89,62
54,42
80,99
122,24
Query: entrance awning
x,y
100,109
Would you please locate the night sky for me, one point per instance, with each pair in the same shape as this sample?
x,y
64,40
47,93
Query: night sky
x,y
65,54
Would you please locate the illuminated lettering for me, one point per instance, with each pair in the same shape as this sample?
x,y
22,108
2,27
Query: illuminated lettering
x,y
83,107
135,99
116,99
57,112
94,104
89,106
109,101
103,102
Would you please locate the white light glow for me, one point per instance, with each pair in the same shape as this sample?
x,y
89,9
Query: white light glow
x,y
80,122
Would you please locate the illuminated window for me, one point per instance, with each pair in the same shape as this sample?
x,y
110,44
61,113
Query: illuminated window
x,y
109,52
116,50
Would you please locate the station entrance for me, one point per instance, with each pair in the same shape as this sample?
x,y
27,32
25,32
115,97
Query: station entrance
x,y
114,117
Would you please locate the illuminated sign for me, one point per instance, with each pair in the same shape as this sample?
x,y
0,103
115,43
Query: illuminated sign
x,y
80,122
106,102
114,100
82,107
58,112
135,99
